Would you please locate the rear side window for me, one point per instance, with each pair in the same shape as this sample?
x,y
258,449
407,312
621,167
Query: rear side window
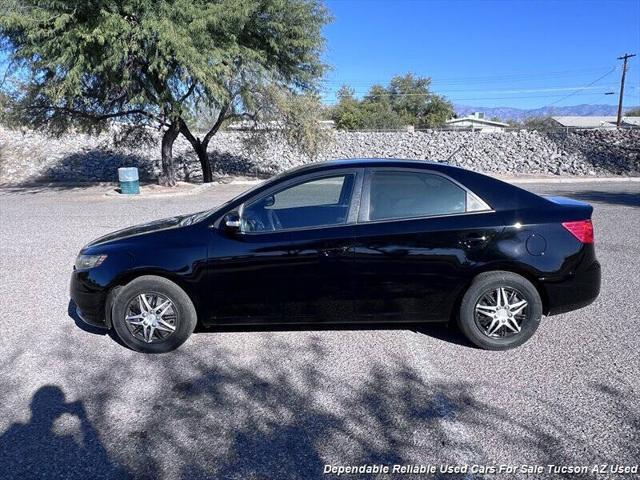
x,y
414,194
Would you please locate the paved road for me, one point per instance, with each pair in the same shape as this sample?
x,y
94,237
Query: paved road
x,y
281,404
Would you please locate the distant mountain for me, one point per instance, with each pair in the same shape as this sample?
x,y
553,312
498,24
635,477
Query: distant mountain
x,y
519,114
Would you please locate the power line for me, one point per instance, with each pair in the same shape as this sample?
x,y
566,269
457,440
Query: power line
x,y
526,90
484,98
447,91
518,97
575,92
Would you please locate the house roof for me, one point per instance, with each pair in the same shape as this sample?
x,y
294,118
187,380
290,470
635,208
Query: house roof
x,y
595,121
481,121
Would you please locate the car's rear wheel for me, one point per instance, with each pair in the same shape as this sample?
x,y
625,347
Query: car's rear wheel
x,y
500,310
153,315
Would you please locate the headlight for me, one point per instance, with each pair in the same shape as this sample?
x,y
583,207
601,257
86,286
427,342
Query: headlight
x,y
84,262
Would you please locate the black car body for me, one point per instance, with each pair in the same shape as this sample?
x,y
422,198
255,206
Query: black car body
x,y
370,255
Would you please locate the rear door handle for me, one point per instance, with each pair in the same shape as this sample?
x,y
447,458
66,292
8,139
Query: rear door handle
x,y
473,240
335,252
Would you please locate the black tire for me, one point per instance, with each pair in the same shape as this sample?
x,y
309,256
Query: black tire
x,y
487,282
185,313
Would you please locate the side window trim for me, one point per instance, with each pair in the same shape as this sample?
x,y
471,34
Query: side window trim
x,y
356,195
363,215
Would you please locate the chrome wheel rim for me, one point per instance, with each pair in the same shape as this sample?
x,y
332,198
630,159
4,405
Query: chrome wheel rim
x,y
151,317
501,312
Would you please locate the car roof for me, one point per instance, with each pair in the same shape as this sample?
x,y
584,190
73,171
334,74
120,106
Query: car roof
x,y
328,165
364,163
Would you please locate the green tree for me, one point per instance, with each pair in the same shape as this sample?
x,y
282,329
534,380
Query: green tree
x,y
634,112
415,104
407,100
377,110
294,119
346,113
438,110
154,63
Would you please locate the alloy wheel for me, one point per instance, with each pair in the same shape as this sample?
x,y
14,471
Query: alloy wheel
x,y
151,317
501,312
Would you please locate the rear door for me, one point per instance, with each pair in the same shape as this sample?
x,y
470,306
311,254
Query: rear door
x,y
418,234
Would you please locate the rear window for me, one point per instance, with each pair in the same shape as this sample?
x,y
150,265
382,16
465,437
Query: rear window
x,y
414,194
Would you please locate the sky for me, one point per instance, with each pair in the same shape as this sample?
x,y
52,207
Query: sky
x,y
515,53
486,53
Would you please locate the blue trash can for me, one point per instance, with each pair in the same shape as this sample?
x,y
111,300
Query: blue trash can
x,y
129,181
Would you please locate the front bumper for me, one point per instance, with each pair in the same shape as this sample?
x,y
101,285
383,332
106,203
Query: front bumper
x,y
94,322
89,299
574,291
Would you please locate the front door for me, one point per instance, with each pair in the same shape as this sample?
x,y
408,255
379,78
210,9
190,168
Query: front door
x,y
292,259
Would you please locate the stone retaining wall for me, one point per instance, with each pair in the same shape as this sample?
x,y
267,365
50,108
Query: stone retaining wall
x,y
27,156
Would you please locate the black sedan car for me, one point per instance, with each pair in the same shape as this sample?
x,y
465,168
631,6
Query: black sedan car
x,y
348,241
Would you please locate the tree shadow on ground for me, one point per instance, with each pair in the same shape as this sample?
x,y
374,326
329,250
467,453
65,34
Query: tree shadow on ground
x,y
446,332
284,409
31,188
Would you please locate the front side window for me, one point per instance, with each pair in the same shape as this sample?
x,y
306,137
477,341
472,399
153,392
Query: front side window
x,y
314,203
395,194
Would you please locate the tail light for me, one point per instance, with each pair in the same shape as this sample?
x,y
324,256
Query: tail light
x,y
582,230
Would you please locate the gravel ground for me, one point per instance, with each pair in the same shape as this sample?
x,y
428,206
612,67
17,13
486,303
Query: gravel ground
x,y
275,403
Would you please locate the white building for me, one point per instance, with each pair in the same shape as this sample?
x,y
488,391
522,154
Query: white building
x,y
607,122
476,122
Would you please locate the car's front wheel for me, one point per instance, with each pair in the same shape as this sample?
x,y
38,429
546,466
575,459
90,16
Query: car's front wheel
x,y
153,315
500,310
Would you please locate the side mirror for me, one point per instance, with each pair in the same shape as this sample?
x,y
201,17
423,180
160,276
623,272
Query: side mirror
x,y
269,201
231,222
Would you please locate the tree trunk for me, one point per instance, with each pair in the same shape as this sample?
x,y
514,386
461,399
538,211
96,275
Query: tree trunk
x,y
168,176
205,163
201,146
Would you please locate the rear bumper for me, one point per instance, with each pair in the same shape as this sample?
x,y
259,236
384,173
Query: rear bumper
x,y
89,299
575,291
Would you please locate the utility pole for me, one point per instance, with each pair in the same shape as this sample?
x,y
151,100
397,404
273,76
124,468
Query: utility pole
x,y
625,57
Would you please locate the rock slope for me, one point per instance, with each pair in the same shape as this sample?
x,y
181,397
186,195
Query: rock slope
x,y
27,156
